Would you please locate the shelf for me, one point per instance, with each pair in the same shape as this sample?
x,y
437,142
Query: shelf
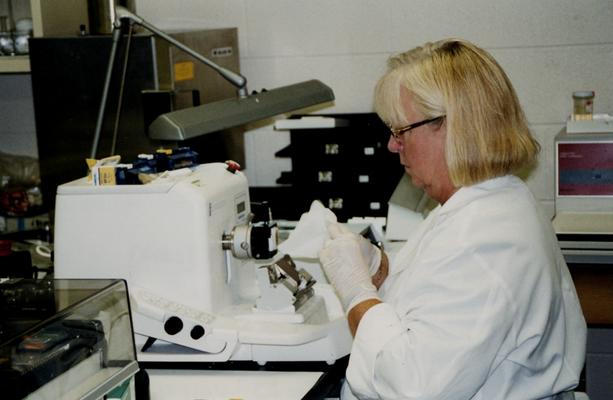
x,y
14,64
49,18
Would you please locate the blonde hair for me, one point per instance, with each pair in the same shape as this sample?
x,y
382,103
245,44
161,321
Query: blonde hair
x,y
487,132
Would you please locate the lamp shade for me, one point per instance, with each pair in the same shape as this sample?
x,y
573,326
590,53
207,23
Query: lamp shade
x,y
212,117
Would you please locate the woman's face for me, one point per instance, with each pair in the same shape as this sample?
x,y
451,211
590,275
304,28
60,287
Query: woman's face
x,y
422,152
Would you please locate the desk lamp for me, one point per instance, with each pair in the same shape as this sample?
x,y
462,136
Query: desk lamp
x,y
212,117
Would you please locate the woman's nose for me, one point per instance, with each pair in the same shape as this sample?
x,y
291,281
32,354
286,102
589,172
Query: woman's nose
x,y
393,145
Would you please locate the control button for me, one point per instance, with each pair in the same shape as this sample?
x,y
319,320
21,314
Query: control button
x,y
173,325
232,166
197,332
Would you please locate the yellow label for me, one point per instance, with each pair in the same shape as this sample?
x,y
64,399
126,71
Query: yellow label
x,y
106,175
94,164
184,71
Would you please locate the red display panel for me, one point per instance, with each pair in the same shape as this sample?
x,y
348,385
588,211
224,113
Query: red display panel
x,y
585,169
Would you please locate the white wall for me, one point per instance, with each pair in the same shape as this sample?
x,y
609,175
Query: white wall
x,y
549,49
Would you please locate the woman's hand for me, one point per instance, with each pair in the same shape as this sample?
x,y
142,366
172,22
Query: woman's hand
x,y
347,270
374,257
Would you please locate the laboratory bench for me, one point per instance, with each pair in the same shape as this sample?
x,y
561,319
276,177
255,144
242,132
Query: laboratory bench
x,y
245,380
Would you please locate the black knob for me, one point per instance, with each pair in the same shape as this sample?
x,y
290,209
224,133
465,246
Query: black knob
x,y
197,332
173,325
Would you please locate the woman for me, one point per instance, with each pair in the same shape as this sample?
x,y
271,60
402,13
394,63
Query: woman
x,y
479,303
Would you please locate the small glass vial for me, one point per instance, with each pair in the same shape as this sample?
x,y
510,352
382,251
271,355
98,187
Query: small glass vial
x,y
583,105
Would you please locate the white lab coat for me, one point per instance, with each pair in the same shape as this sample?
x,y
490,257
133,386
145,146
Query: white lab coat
x,y
479,304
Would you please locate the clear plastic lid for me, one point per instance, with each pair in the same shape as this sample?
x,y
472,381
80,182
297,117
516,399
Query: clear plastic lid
x,y
583,94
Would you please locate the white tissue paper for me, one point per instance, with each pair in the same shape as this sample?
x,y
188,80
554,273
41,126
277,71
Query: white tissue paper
x,y
307,239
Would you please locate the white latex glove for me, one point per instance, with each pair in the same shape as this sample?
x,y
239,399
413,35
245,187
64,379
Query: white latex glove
x,y
370,253
347,270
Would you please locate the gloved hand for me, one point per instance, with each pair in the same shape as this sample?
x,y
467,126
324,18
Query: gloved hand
x,y
370,253
347,270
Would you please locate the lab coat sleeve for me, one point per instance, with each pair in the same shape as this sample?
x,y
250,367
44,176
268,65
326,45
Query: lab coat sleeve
x,y
433,346
370,343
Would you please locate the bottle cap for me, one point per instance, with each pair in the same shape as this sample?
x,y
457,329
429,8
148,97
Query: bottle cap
x,y
583,94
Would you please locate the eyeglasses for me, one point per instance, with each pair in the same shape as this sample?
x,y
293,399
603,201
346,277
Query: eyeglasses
x,y
397,132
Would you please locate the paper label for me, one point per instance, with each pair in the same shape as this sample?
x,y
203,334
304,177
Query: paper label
x,y
184,71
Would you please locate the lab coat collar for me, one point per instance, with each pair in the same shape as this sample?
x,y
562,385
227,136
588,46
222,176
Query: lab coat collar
x,y
467,194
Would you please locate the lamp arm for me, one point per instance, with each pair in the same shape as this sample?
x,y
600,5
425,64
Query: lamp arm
x,y
105,90
235,79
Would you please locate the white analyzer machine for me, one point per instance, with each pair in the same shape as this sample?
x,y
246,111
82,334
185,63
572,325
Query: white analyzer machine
x,y
188,249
